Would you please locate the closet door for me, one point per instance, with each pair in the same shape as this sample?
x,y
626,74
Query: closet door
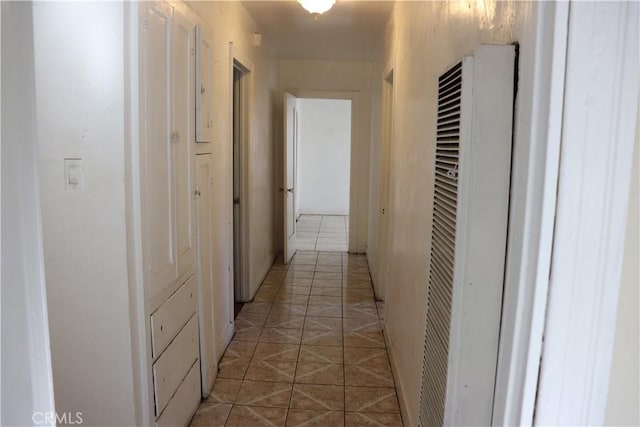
x,y
183,133
205,290
157,151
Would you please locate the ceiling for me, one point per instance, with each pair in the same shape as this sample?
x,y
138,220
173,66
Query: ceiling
x,y
351,30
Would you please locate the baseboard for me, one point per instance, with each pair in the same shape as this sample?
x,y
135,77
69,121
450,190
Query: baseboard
x,y
263,273
360,250
227,335
372,272
400,389
326,213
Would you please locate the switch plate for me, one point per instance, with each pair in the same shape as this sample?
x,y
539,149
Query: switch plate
x,y
73,174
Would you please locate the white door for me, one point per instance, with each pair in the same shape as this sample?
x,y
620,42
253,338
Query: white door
x,y
157,152
289,195
385,177
205,290
182,136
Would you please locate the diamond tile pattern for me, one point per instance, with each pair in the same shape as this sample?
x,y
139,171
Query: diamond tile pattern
x,y
322,233
309,351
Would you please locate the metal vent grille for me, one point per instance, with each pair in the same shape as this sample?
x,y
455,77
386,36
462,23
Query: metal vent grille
x,y
443,234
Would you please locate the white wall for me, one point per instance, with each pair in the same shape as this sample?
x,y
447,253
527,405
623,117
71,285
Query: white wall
x,y
80,114
423,40
324,132
298,76
624,381
26,357
230,22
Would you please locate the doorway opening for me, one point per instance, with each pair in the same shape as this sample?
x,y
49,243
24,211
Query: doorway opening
x,y
239,109
320,172
322,157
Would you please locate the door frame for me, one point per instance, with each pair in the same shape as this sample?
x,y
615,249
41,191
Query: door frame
x,y
240,61
386,166
531,218
549,261
591,214
355,214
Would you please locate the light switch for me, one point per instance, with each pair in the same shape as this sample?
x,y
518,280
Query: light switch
x,y
73,174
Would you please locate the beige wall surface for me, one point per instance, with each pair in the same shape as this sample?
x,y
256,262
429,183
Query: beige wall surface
x,y
229,22
298,76
79,89
423,40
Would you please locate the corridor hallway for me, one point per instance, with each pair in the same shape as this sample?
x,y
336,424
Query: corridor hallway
x,y
308,351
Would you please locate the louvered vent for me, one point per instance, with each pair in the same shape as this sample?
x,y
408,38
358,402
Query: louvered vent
x,y
443,233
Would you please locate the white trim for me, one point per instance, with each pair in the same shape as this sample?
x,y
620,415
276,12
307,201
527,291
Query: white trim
x,y
355,214
397,378
246,161
601,101
531,222
140,340
323,213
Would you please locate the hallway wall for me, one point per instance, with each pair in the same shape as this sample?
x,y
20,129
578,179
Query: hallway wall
x,y
79,89
27,380
324,143
354,76
423,40
230,22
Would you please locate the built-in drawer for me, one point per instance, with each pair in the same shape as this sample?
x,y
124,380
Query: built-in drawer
x,y
184,403
174,364
171,316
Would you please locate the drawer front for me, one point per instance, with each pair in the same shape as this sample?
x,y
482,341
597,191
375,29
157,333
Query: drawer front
x,y
169,319
174,364
184,403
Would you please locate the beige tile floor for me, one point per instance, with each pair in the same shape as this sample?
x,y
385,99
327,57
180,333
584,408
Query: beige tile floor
x,y
308,351
322,233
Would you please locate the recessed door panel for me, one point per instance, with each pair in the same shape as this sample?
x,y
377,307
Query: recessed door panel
x,y
182,136
158,187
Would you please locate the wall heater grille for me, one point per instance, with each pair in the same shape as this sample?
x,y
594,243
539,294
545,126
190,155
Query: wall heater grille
x,y
443,232
468,238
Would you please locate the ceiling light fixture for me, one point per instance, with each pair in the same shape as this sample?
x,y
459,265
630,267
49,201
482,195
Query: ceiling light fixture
x,y
317,6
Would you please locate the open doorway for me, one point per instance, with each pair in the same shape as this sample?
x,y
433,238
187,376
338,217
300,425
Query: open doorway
x,y
322,174
239,136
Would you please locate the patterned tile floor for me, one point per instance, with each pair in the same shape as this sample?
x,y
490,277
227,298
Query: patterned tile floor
x,y
322,233
308,351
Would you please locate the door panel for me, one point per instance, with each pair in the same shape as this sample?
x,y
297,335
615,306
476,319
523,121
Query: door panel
x,y
288,178
158,189
205,289
385,181
182,136
204,60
